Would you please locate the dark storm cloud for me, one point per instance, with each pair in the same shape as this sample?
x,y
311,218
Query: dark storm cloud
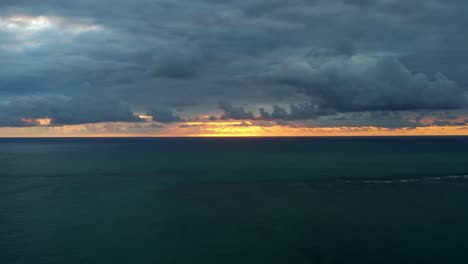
x,y
93,110
318,57
368,83
277,113
63,111
179,64
164,115
234,112
296,112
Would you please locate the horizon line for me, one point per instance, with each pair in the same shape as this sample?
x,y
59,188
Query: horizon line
x,y
280,136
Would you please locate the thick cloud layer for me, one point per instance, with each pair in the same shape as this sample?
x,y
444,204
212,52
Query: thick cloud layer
x,y
105,60
368,83
234,112
63,111
163,115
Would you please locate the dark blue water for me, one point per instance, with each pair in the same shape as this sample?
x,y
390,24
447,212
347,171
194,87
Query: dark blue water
x,y
235,200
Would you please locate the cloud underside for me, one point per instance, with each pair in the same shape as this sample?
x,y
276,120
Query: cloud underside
x,y
63,111
321,63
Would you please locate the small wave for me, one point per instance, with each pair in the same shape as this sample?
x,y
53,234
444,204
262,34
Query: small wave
x,y
408,180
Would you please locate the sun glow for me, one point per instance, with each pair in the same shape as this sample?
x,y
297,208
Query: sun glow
x,y
30,31
27,23
37,121
146,118
272,129
226,128
229,131
22,23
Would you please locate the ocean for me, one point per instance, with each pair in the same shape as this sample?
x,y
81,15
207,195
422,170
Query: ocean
x,y
234,200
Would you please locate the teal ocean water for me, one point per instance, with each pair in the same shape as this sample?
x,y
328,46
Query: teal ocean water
x,y
235,200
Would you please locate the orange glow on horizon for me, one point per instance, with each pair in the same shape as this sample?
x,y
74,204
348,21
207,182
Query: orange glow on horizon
x,y
281,131
221,128
271,129
219,123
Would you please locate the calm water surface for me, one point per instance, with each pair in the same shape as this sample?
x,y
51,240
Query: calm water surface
x,y
244,200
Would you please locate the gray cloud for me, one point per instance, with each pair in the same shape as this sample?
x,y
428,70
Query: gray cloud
x,y
93,110
234,112
296,112
63,110
277,113
179,64
164,115
322,57
368,83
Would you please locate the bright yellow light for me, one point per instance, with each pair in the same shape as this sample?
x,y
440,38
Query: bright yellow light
x,y
37,121
251,129
147,118
220,123
248,128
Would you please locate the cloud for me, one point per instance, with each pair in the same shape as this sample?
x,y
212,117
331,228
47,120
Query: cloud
x,y
63,110
178,64
323,58
28,32
93,110
367,83
164,115
233,112
296,112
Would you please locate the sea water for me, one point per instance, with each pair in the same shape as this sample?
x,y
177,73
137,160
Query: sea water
x,y
234,200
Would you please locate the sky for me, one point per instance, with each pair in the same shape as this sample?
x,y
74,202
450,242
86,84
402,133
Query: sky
x,y
233,68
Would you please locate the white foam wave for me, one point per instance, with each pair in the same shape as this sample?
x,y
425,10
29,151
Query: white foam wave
x,y
408,180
